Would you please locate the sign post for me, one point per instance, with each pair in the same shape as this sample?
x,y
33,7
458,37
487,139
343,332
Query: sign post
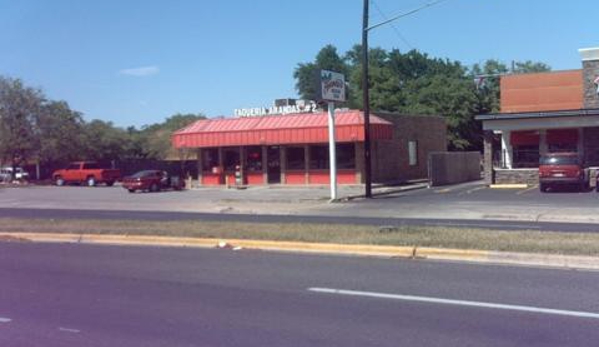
x,y
331,89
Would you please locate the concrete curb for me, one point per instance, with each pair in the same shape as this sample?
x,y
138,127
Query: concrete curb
x,y
478,256
508,186
388,191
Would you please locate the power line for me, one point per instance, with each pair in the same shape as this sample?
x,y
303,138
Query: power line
x,y
405,14
401,37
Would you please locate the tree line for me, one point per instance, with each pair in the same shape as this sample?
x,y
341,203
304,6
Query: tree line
x,y
35,129
416,84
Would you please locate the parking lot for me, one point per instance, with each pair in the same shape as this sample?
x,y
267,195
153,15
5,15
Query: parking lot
x,y
464,201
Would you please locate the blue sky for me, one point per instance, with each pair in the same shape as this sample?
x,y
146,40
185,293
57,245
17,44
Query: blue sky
x,y
138,62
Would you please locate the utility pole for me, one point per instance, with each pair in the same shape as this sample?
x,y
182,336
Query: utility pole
x,y
366,105
365,86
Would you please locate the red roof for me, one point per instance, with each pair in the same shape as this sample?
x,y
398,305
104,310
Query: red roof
x,y
300,128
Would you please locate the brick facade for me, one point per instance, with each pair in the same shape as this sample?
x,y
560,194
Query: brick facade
x,y
390,161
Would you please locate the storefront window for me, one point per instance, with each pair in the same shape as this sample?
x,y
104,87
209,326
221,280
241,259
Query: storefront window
x,y
253,159
346,156
230,158
209,159
296,158
525,156
319,157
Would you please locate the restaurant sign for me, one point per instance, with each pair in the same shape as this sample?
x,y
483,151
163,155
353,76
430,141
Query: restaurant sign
x,y
330,86
308,107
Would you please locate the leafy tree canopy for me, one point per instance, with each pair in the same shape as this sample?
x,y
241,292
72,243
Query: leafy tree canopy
x,y
415,83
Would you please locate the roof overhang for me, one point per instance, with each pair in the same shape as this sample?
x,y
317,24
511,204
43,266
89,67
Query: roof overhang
x,y
541,120
279,130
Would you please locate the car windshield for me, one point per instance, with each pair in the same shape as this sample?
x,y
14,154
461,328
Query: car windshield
x,y
144,173
560,160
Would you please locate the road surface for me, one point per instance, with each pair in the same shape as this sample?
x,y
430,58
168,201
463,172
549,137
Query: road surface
x,y
82,295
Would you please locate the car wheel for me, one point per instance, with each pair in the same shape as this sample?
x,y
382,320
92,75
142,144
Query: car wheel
x,y
542,187
131,190
154,188
109,183
91,181
59,181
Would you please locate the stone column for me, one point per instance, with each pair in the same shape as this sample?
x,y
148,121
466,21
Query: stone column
x,y
580,144
590,72
543,148
488,157
506,149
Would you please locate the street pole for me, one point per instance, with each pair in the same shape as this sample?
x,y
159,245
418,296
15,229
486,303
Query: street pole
x,y
366,104
332,151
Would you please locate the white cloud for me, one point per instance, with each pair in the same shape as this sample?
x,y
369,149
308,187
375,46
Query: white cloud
x,y
141,71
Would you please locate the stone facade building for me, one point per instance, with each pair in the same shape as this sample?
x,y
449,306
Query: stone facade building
x,y
543,113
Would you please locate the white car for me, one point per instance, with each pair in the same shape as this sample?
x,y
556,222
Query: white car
x,y
6,174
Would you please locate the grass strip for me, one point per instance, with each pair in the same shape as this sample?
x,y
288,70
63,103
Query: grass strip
x,y
570,243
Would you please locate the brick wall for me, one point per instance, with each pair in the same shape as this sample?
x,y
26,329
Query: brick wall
x,y
390,161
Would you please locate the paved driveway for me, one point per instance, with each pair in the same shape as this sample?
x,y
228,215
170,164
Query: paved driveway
x,y
464,201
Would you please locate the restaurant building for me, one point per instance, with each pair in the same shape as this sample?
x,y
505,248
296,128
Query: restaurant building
x,y
543,113
293,148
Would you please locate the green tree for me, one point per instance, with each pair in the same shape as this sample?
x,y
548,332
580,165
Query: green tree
x,y
102,141
156,138
19,108
60,133
305,73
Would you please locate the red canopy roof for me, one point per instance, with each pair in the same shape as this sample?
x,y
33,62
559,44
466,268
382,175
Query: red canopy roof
x,y
300,128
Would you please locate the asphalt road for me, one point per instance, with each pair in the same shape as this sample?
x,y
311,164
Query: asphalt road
x,y
81,295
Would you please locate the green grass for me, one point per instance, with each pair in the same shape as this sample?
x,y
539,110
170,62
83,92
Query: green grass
x,y
443,237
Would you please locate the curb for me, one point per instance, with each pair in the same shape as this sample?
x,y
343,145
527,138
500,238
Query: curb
x,y
508,186
476,256
389,191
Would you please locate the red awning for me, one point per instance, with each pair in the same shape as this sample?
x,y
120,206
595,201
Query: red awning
x,y
301,128
561,136
524,138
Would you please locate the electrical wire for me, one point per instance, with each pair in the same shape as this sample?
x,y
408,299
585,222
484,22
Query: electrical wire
x,y
401,37
405,14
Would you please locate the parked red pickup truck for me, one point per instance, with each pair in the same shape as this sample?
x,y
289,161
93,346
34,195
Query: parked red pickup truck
x,y
86,172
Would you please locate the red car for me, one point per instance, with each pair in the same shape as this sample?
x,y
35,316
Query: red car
x,y
563,169
153,181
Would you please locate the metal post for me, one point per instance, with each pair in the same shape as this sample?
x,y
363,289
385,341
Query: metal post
x,y
366,105
332,151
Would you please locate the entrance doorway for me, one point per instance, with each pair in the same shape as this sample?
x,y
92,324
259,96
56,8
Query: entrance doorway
x,y
273,164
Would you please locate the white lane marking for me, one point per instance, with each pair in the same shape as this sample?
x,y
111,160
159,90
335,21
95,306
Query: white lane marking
x,y
5,320
69,330
480,304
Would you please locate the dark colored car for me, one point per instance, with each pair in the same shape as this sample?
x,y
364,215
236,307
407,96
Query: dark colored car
x,y
153,181
563,169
